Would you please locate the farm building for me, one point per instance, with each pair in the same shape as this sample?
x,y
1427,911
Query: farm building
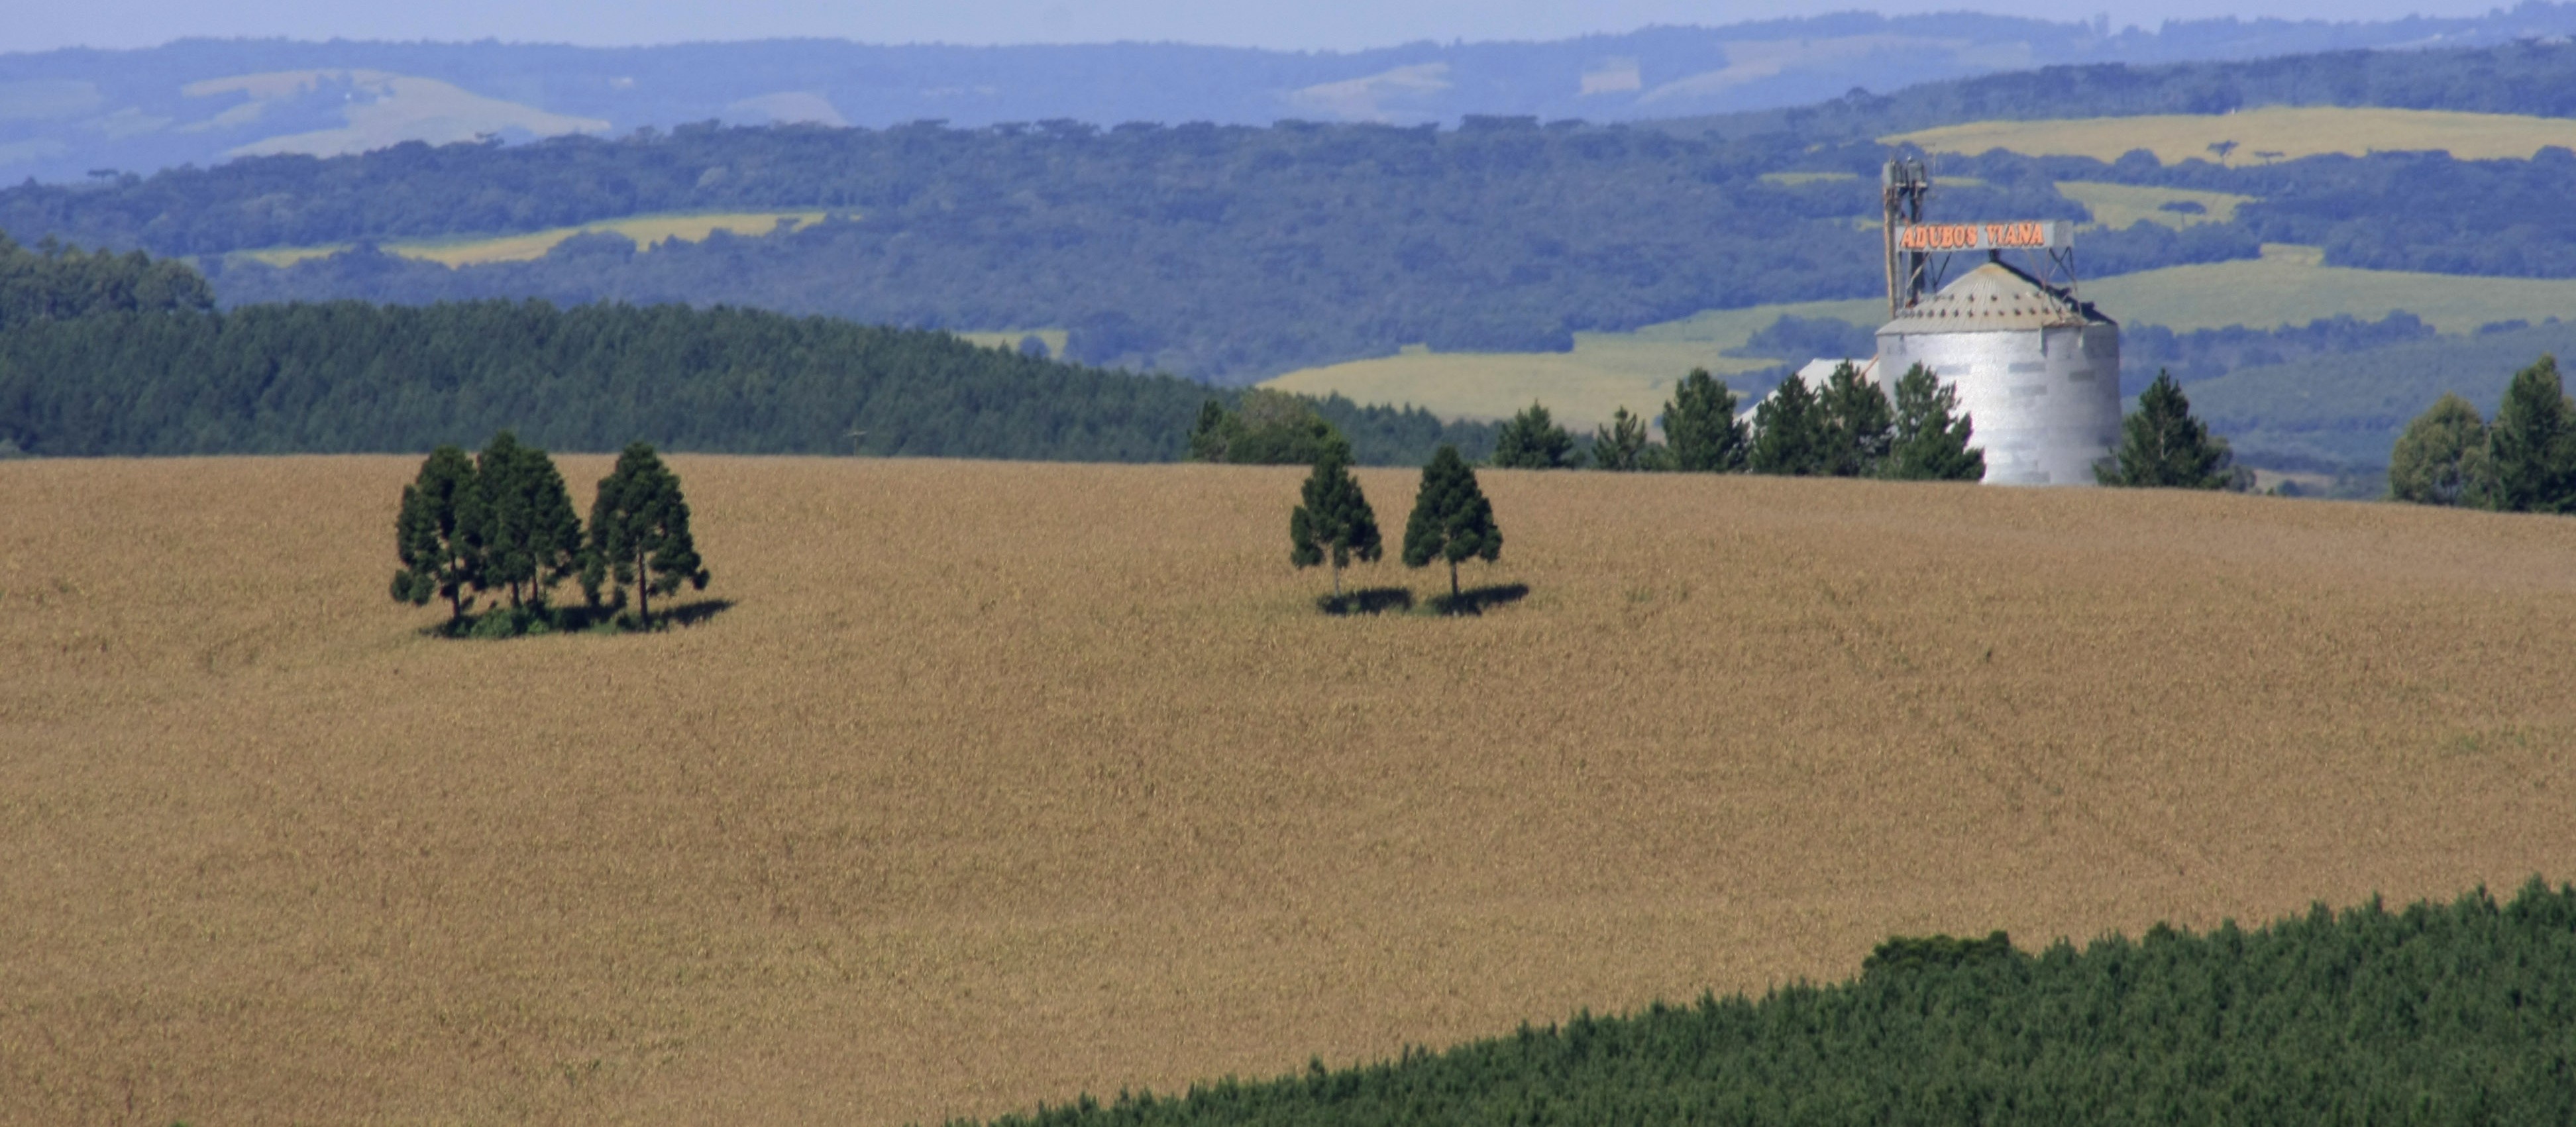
x,y
2038,371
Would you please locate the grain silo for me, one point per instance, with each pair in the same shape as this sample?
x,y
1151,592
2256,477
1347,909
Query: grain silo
x,y
2036,369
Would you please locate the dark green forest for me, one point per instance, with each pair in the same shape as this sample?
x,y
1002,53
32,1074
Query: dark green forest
x,y
353,377
2435,1014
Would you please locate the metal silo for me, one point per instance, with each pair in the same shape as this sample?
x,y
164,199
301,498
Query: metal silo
x,y
2037,371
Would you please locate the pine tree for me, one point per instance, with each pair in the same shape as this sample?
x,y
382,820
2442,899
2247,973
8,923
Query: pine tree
x,y
1451,519
1335,523
2533,443
435,533
1700,426
1789,431
2163,447
1931,439
1531,440
1621,447
639,533
1208,437
532,539
2443,459
1859,427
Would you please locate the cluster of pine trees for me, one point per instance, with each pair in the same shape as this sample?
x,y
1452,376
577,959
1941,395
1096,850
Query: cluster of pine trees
x,y
1452,522
2435,1014
1847,428
501,521
2522,462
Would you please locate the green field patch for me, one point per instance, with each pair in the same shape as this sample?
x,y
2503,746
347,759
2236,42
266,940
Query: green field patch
x,y
2291,285
2121,205
1011,338
2258,135
479,250
1794,179
1604,372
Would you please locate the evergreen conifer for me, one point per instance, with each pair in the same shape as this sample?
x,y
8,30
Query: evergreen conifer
x,y
2163,447
639,533
2533,443
1531,440
1622,447
1859,427
2443,459
1451,519
435,533
532,539
1789,435
1931,438
1335,523
1700,427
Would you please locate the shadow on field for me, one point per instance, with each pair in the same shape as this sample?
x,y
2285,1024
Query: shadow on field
x,y
1373,600
523,622
693,613
1474,600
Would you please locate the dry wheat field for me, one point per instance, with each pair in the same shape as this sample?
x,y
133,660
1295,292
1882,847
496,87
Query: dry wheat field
x,y
1000,783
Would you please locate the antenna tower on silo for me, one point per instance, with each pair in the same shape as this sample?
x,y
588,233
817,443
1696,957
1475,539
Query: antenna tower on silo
x,y
1903,188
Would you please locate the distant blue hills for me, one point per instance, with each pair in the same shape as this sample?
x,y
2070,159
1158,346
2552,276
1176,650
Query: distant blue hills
x,y
69,114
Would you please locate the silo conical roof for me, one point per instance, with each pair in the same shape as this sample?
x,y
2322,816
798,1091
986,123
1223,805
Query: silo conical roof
x,y
1994,297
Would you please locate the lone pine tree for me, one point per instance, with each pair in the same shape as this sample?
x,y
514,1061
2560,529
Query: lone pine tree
x,y
1621,447
2443,458
531,539
2532,444
1451,519
1700,426
437,533
639,533
1858,428
1531,440
1335,524
1931,440
1789,435
2163,447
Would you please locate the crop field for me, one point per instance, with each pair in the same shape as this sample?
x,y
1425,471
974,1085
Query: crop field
x,y
646,230
2292,285
2120,205
1604,372
994,783
2266,133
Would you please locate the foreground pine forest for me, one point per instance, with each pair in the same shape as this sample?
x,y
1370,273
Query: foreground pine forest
x,y
2462,1013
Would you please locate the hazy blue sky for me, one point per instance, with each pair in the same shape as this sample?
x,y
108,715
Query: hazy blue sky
x,y
39,25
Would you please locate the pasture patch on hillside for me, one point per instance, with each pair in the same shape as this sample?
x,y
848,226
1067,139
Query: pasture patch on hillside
x,y
2119,205
1011,338
2264,134
1604,372
646,230
1002,782
2292,285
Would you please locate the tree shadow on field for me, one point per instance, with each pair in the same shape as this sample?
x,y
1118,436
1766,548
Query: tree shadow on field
x,y
1371,600
694,612
524,622
1474,600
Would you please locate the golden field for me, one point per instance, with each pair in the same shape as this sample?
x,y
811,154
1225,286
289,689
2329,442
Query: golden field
x,y
2262,134
997,783
646,230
